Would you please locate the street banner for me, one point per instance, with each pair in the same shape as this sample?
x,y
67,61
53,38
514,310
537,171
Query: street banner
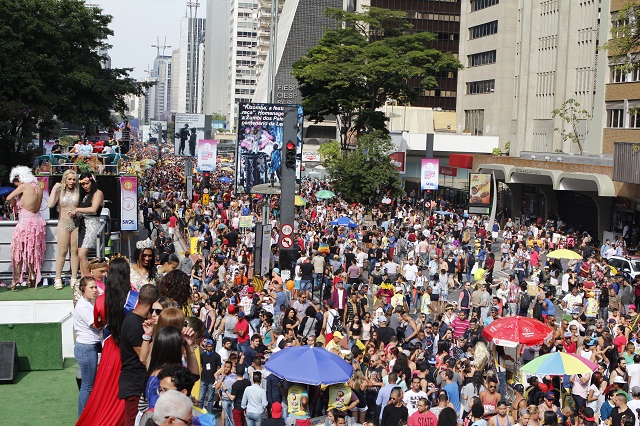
x,y
246,222
479,189
399,161
429,174
43,181
260,139
189,128
129,206
207,153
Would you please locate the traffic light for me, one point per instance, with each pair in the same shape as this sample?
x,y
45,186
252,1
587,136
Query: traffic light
x,y
290,155
205,179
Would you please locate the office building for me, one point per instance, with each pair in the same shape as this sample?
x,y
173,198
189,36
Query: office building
x,y
192,31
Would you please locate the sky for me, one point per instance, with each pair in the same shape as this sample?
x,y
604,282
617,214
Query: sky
x,y
137,24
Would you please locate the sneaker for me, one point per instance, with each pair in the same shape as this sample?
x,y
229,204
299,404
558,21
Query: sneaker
x,y
57,284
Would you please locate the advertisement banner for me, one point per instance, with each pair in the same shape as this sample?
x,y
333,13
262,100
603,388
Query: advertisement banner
x,y
129,206
429,173
207,153
43,181
311,156
189,129
399,160
479,189
448,171
156,127
259,155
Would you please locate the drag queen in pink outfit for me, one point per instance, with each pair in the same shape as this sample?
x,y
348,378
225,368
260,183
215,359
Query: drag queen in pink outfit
x,y
28,243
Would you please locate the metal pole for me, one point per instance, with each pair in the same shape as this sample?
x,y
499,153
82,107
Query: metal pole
x,y
287,195
273,50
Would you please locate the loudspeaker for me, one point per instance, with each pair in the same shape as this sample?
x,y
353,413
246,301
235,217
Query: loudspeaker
x,y
8,362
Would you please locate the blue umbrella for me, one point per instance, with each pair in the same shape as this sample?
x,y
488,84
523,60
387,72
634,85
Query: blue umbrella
x,y
344,221
444,213
309,365
5,190
225,179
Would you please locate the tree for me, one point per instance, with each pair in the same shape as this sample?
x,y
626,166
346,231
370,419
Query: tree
x,y
571,113
625,39
366,173
329,153
51,71
370,58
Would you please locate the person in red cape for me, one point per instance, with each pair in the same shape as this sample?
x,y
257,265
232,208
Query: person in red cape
x,y
104,408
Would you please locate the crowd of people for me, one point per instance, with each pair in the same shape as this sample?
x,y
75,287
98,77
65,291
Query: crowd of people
x,y
403,297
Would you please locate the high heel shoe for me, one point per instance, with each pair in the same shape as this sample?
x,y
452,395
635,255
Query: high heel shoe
x,y
57,284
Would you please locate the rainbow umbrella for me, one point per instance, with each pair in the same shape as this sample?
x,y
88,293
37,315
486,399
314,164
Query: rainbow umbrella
x,y
300,201
559,364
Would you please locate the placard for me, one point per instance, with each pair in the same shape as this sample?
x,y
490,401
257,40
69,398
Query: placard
x,y
246,222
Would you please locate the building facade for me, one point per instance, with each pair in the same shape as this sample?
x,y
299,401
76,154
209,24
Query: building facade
x,y
161,91
192,32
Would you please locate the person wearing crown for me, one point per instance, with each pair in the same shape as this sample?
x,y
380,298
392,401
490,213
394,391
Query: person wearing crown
x,y
28,243
143,270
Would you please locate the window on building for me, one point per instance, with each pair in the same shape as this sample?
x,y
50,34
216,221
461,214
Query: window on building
x,y
482,4
617,75
615,118
482,58
634,118
474,121
483,86
483,30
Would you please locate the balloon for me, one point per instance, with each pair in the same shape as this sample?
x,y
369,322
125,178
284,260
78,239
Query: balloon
x,y
290,285
478,274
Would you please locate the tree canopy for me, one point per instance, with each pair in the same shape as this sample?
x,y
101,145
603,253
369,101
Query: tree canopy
x,y
50,69
625,41
372,57
367,173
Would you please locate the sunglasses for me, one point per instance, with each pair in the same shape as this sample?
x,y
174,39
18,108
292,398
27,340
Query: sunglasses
x,y
155,311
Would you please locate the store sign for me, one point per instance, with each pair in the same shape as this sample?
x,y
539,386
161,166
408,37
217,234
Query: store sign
x,y
449,171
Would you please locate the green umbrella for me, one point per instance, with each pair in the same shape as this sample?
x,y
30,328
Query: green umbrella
x,y
324,194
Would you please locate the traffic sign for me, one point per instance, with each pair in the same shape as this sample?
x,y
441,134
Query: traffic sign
x,y
286,242
287,229
205,199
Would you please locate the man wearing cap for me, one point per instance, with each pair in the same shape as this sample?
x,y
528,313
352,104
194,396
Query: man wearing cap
x,y
570,343
384,331
242,331
571,301
548,404
210,363
334,343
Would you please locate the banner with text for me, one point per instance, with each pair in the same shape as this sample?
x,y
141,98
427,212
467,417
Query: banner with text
x,y
207,153
129,206
429,173
259,155
479,189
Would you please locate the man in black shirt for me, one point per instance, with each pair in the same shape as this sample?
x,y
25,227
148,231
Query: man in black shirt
x,y
385,332
236,393
474,332
621,410
306,275
210,362
395,412
135,347
232,238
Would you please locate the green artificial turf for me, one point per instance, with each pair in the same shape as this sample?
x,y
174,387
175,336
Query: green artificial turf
x,y
41,397
40,293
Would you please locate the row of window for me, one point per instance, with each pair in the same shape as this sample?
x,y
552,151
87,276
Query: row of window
x,y
482,4
433,16
482,58
483,30
615,118
623,76
483,86
548,6
440,93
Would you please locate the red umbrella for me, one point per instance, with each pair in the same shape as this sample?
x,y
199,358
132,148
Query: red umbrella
x,y
511,331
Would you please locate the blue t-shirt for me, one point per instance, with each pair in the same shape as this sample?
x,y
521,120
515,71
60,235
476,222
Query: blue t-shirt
x,y
454,395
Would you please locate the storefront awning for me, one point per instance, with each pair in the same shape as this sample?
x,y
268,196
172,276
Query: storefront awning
x,y
577,181
502,171
534,176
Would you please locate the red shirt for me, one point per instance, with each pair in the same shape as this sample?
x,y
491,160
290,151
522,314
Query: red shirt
x,y
243,325
425,419
569,348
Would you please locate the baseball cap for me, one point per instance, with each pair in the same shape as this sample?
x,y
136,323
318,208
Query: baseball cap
x,y
612,320
231,309
635,390
620,380
632,306
567,334
276,410
518,388
276,270
550,396
382,318
250,290
432,360
588,415
330,303
337,334
241,314
209,342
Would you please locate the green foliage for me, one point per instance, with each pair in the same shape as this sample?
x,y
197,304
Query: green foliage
x,y
625,40
571,113
218,116
497,152
356,68
329,153
366,173
507,146
50,67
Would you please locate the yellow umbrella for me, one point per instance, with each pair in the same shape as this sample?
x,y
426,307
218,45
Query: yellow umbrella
x,y
564,254
300,201
226,169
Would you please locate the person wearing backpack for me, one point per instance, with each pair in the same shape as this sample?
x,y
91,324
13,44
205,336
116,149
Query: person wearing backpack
x,y
524,300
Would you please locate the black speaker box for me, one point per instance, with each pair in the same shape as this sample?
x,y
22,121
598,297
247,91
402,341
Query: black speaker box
x,y
8,362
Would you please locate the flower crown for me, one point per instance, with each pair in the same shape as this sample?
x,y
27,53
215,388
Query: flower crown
x,y
119,256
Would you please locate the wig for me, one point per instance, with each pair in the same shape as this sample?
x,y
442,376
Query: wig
x,y
23,174
63,186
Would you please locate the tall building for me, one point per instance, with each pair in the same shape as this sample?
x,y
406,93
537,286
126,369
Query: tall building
x,y
174,85
192,32
216,49
441,17
300,26
161,91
